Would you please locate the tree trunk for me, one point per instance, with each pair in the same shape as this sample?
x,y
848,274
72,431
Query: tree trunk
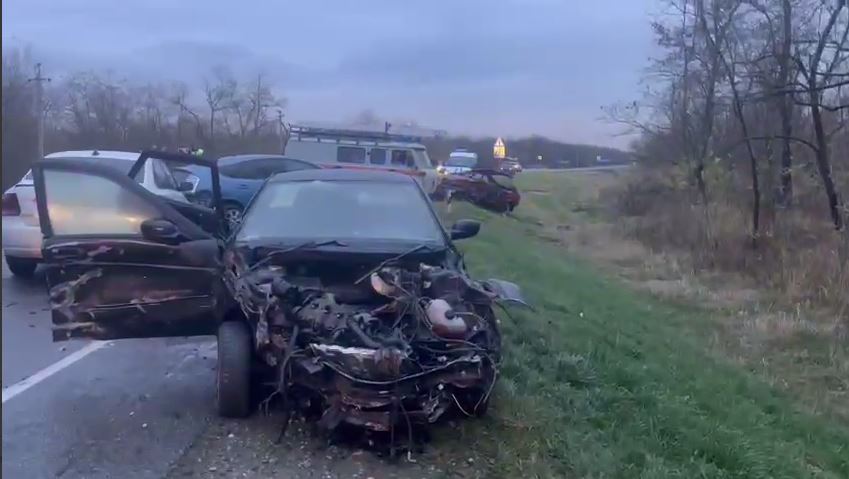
x,y
815,99
744,127
786,111
824,163
211,128
753,165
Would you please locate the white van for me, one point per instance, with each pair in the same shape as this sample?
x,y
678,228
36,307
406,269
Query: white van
x,y
358,149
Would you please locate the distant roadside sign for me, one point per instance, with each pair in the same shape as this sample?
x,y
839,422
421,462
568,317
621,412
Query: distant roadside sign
x,y
499,150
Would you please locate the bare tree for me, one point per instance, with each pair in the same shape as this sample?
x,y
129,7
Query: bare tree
x,y
179,97
727,54
786,110
218,93
819,76
261,99
18,120
93,110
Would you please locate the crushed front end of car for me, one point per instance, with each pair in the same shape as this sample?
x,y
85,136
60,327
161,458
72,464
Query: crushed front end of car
x,y
375,346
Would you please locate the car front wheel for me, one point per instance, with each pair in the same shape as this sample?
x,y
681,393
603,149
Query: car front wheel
x,y
21,267
234,369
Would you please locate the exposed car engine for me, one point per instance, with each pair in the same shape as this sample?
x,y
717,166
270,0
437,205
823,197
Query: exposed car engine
x,y
371,346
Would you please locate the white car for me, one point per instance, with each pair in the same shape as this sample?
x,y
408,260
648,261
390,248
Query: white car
x,y
21,230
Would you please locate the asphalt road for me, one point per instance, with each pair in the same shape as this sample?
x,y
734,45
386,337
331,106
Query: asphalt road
x,y
118,409
146,409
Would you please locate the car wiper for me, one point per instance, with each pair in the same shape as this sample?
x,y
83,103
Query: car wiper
x,y
393,259
300,246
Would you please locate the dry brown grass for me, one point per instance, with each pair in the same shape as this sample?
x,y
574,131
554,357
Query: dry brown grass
x,y
798,253
781,309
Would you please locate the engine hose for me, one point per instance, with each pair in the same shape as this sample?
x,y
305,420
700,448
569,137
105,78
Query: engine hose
x,y
373,343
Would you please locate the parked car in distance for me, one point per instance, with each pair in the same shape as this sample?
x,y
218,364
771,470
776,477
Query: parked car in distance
x,y
511,166
241,176
21,233
354,149
459,161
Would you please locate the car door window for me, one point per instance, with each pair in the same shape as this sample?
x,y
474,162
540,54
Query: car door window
x,y
85,204
268,167
240,169
350,154
162,176
402,158
272,166
378,156
261,168
295,165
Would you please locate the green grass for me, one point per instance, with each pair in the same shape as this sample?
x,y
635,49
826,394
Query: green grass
x,y
602,382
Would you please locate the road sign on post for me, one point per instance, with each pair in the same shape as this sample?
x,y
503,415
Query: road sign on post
x,y
499,150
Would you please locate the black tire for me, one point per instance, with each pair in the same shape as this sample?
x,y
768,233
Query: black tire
x,y
234,369
21,267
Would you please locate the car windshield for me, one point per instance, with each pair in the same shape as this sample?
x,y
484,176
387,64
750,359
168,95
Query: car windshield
x,y
344,210
464,161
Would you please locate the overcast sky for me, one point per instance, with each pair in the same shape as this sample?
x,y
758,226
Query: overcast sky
x,y
499,67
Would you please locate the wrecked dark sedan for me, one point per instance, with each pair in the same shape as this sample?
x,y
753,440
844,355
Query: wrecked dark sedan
x,y
489,189
340,289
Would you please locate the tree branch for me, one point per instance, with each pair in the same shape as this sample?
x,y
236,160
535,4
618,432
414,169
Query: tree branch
x,y
803,141
835,108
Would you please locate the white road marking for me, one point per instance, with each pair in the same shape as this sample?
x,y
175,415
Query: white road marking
x,y
24,384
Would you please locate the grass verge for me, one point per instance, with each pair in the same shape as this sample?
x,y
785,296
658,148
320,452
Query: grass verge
x,y
601,381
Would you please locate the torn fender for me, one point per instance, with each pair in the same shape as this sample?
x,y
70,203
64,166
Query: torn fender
x,y
505,292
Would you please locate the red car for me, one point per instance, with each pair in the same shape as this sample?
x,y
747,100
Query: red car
x,y
488,189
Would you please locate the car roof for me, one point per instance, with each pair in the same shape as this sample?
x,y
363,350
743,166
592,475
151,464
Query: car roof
x,y
341,174
106,154
257,156
343,141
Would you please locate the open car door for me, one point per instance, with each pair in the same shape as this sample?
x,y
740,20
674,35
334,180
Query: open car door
x,y
160,166
124,262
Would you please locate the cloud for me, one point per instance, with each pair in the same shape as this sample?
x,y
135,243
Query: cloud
x,y
473,66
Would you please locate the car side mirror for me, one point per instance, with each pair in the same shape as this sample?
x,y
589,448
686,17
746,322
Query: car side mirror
x,y
161,231
465,229
185,186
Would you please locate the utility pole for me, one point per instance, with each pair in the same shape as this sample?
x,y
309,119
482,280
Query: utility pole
x,y
282,131
39,109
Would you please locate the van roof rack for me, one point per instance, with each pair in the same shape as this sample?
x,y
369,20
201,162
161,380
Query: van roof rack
x,y
319,133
